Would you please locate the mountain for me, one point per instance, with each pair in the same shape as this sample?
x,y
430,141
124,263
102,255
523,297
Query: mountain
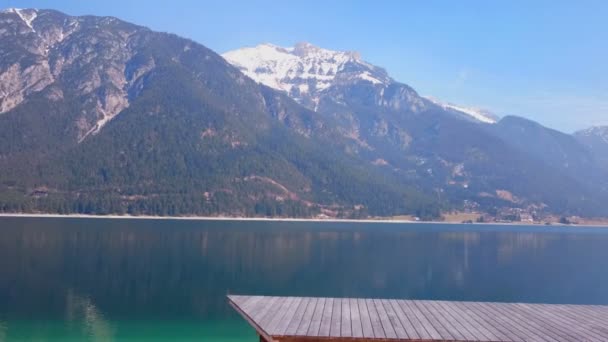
x,y
467,154
307,73
596,140
304,71
98,115
482,115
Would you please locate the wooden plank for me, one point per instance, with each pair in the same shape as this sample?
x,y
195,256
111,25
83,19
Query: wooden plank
x,y
366,322
264,307
239,300
307,318
545,323
509,320
387,325
394,320
315,324
491,323
443,331
413,312
542,324
346,329
541,332
598,325
279,315
410,330
567,322
263,335
253,308
285,319
272,312
293,325
548,317
355,317
459,319
446,320
600,310
336,318
578,318
467,328
325,326
513,327
488,330
247,304
282,326
375,319
598,319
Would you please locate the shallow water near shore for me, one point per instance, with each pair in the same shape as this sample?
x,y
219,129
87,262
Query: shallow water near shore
x,y
82,279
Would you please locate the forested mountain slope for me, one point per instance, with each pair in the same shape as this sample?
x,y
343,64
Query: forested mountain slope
x,y
102,116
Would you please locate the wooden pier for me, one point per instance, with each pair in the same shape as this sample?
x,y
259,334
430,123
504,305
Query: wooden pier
x,y
305,319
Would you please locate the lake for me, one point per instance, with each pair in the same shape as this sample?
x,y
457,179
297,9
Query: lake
x,y
166,280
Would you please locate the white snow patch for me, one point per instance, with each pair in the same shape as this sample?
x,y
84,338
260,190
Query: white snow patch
x,y
27,15
303,88
478,114
285,68
598,131
368,77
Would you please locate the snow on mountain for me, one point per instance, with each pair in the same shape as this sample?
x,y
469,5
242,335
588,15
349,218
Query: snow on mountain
x,y
303,70
600,132
27,15
478,114
596,141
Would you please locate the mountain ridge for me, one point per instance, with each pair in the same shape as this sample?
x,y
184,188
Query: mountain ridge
x,y
103,116
595,139
304,71
192,134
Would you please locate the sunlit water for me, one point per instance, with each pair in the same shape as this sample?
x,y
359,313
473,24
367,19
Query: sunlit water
x,y
166,280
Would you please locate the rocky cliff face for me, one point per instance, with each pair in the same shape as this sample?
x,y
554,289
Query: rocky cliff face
x,y
452,149
100,116
312,75
92,59
304,71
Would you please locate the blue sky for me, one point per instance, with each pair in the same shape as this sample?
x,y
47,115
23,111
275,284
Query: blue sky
x,y
545,60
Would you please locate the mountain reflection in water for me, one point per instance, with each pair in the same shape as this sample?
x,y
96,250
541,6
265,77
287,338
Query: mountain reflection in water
x,y
90,272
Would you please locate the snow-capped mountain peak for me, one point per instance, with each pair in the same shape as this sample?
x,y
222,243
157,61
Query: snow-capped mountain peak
x,y
303,70
600,132
477,114
27,15
307,73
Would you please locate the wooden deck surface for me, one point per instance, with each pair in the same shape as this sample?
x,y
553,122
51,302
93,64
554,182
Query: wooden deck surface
x,y
290,319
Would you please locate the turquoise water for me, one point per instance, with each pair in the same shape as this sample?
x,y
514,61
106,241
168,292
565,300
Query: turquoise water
x,y
166,280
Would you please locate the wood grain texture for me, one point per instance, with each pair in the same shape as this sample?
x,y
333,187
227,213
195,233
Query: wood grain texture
x,y
305,319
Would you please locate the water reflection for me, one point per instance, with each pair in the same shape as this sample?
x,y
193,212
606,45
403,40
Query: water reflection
x,y
82,312
88,270
3,331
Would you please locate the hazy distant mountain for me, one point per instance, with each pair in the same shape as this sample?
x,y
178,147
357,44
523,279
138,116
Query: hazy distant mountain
x,y
101,116
597,135
596,140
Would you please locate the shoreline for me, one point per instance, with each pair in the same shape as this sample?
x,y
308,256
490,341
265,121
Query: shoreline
x,y
211,218
282,219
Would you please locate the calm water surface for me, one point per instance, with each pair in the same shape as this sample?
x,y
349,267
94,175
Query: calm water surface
x,y
166,280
